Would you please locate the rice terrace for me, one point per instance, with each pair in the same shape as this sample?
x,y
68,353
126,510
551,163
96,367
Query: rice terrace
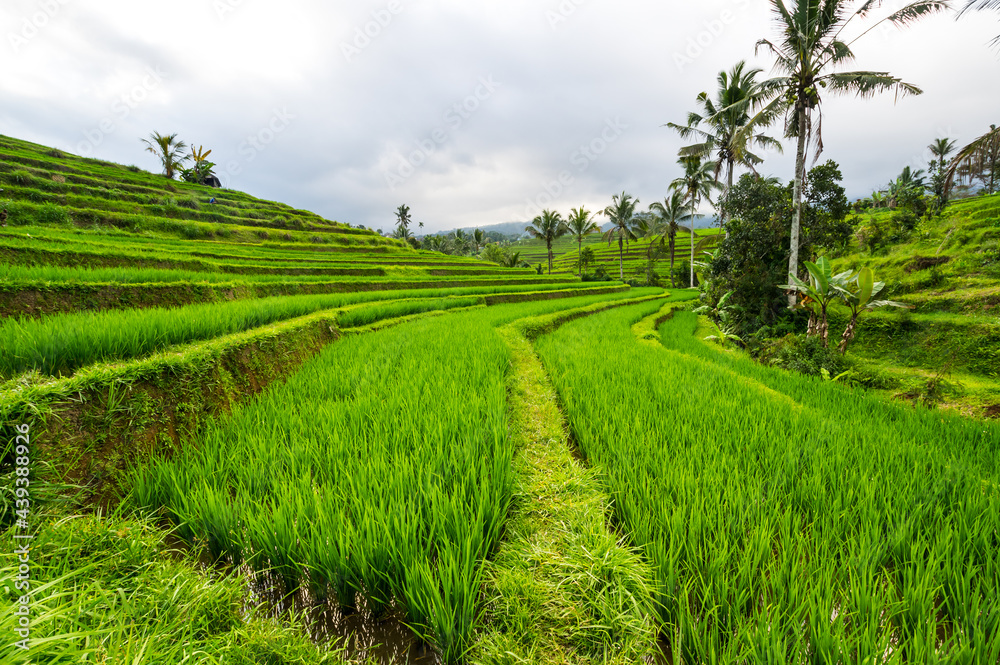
x,y
682,397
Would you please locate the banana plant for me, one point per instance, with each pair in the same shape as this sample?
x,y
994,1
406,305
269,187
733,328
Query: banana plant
x,y
823,288
861,299
724,316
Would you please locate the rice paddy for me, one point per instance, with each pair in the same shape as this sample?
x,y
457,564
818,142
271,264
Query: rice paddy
x,y
740,513
787,519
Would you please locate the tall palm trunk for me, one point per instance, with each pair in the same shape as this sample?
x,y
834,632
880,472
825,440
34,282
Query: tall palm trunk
x,y
694,206
672,244
548,246
621,261
729,188
579,259
800,175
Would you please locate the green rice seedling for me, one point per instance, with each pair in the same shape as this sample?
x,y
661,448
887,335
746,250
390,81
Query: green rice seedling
x,y
217,520
787,519
375,472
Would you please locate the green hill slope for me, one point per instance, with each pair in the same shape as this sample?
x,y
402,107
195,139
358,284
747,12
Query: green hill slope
x,y
947,348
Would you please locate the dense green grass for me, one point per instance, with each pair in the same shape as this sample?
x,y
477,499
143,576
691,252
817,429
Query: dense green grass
x,y
787,518
105,591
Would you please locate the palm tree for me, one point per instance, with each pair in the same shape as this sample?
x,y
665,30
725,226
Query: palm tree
x,y
581,224
696,184
724,125
621,212
478,239
940,149
648,227
548,226
403,218
810,47
169,151
511,259
461,239
670,213
980,159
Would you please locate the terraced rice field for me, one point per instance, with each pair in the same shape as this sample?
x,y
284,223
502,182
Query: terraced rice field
x,y
787,519
381,433
635,256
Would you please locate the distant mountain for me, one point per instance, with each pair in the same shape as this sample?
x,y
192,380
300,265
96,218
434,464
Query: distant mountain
x,y
517,228
506,228
706,222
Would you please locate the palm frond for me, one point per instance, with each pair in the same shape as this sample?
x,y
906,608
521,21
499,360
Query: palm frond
x,y
868,84
976,155
917,10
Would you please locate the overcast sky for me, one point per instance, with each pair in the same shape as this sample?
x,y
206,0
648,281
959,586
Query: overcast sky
x,y
472,113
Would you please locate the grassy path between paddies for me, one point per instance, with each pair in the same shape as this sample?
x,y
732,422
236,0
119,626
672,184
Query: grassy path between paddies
x,y
563,587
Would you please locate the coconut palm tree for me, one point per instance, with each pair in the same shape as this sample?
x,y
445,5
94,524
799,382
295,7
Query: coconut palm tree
x,y
696,184
478,239
807,55
461,240
723,125
648,227
980,159
670,213
580,224
548,226
169,150
940,149
403,217
621,212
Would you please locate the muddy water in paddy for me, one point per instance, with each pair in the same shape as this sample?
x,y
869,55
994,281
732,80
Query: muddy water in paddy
x,y
385,640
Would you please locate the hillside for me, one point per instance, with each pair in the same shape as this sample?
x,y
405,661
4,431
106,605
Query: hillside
x,y
948,269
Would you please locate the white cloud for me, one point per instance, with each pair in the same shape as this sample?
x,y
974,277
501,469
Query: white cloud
x,y
565,67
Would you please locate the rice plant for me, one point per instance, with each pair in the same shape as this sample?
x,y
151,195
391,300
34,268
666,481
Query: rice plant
x,y
787,519
374,473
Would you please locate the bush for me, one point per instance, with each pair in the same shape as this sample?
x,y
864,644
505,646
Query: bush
x,y
905,220
803,354
806,355
21,177
196,231
50,213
